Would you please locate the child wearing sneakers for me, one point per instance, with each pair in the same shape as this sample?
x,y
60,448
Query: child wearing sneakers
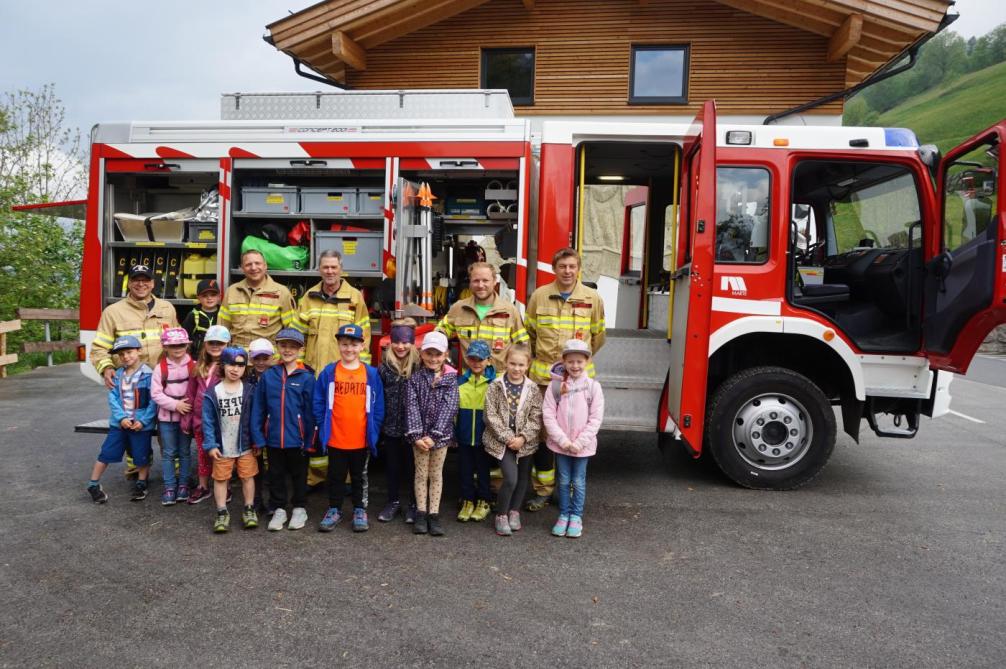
x,y
282,422
226,439
261,353
431,406
572,415
473,461
398,363
131,422
513,422
167,388
205,375
348,403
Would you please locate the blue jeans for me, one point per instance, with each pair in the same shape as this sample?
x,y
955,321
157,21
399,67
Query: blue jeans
x,y
174,444
571,473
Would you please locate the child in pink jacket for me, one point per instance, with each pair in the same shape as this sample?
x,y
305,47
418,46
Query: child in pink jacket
x,y
572,413
168,388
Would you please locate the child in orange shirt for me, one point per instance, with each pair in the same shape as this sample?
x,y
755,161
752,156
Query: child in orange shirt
x,y
348,404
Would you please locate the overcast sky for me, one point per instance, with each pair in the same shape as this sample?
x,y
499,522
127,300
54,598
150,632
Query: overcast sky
x,y
117,60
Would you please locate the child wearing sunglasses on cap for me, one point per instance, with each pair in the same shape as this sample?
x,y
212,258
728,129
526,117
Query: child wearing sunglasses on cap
x,y
226,438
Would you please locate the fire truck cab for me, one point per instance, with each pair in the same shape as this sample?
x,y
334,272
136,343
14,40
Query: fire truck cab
x,y
771,273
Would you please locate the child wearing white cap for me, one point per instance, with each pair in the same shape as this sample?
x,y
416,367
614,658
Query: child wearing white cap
x,y
572,414
431,406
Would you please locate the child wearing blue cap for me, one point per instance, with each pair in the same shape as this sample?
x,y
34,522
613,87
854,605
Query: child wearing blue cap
x,y
282,421
348,405
131,422
473,461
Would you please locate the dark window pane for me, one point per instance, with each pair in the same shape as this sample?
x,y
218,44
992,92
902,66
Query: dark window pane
x,y
658,74
512,69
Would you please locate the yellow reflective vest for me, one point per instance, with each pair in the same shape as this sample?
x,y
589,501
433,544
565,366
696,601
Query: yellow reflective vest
x,y
501,326
129,317
551,321
319,318
250,313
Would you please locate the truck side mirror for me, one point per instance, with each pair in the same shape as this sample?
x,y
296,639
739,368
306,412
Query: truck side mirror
x,y
930,156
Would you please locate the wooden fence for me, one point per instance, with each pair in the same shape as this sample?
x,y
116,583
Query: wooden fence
x,y
48,346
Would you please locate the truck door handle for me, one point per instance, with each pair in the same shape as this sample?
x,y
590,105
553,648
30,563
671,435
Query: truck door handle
x,y
309,163
459,163
161,166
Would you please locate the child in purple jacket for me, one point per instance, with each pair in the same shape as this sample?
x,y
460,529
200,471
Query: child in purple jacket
x,y
431,408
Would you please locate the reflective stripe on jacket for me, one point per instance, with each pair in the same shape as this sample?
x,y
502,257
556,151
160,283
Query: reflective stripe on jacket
x,y
129,317
552,321
260,312
501,326
320,316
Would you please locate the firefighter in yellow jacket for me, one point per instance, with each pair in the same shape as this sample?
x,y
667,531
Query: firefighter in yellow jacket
x,y
257,306
325,308
484,315
139,314
562,310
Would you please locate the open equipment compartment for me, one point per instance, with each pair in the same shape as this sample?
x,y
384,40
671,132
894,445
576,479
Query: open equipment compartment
x,y
335,207
473,212
150,218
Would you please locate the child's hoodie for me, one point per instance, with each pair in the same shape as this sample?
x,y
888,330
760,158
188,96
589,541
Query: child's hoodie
x,y
282,413
471,421
576,416
144,409
168,390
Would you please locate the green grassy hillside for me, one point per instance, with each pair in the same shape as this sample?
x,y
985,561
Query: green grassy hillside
x,y
949,114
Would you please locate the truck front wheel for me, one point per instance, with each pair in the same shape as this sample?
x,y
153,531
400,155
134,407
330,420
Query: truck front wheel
x,y
770,428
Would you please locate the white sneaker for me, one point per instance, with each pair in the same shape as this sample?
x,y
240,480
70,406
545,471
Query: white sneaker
x,y
298,519
278,520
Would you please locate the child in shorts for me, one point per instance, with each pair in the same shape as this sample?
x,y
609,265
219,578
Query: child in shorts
x,y
131,423
226,439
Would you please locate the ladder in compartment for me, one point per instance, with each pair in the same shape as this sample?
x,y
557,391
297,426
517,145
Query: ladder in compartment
x,y
631,368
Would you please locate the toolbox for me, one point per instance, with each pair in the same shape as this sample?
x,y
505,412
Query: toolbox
x,y
269,199
361,251
370,201
327,200
202,231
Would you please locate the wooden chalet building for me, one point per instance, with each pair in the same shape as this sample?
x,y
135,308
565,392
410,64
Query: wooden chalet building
x,y
612,58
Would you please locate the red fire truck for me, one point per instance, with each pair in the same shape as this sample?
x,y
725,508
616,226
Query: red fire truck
x,y
756,278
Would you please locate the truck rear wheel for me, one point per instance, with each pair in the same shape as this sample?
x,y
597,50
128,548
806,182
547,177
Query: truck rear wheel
x,y
770,428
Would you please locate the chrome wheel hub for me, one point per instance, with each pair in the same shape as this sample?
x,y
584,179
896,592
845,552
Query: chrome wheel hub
x,y
772,432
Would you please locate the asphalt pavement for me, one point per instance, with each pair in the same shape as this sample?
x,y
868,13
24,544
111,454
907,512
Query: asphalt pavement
x,y
893,557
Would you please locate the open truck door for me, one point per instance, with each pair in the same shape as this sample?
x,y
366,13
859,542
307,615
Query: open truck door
x,y
692,284
965,286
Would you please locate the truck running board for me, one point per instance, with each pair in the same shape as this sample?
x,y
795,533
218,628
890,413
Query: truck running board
x,y
901,409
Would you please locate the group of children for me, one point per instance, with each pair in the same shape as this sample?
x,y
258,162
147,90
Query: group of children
x,y
249,413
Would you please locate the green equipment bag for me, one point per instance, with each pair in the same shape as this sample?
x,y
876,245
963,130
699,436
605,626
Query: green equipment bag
x,y
279,258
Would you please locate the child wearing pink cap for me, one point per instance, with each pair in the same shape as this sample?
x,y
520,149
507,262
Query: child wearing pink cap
x,y
167,389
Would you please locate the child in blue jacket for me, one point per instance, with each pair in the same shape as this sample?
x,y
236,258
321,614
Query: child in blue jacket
x,y
226,438
282,421
348,410
131,421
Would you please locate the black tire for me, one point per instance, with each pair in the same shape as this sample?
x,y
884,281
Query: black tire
x,y
770,460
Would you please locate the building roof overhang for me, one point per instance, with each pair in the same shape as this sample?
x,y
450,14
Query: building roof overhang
x,y
334,35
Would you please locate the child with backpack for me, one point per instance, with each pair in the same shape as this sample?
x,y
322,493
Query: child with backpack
x,y
398,364
572,415
168,384
226,439
473,461
131,423
204,376
513,422
431,406
282,422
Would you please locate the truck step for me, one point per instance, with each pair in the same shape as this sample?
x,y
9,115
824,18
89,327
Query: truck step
x,y
630,408
637,354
